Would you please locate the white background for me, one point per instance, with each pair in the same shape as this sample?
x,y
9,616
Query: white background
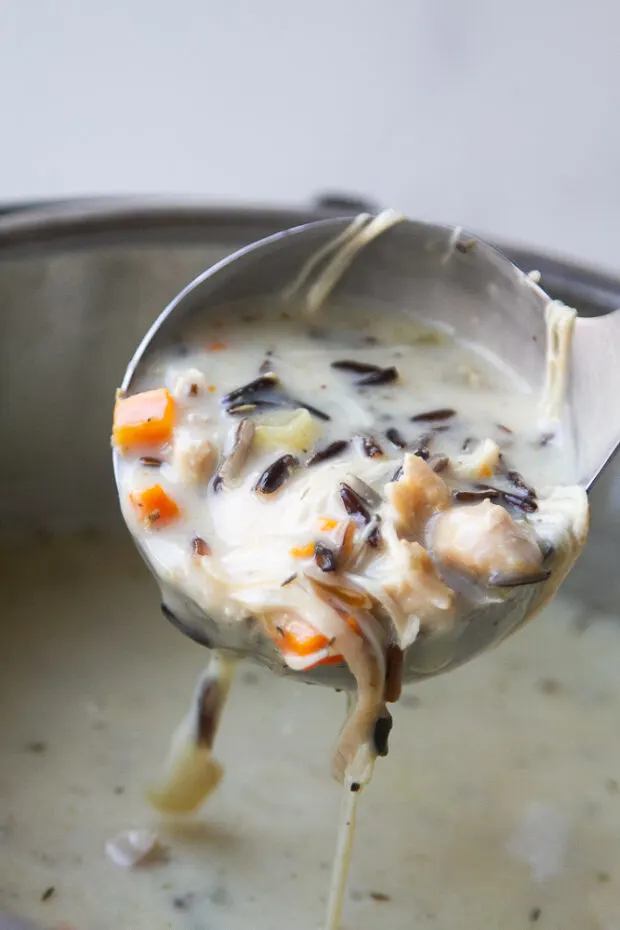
x,y
502,117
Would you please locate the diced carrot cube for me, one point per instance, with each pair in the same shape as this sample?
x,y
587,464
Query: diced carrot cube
x,y
144,419
155,508
301,638
303,552
298,638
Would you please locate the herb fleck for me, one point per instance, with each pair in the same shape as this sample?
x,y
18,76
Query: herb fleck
x,y
183,902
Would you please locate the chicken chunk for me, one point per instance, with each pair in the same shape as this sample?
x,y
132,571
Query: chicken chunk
x,y
485,541
416,496
419,591
193,458
481,463
189,384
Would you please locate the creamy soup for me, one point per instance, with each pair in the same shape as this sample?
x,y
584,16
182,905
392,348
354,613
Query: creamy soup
x,y
498,805
333,487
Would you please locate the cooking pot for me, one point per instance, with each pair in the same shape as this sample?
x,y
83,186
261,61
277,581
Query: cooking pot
x,y
80,282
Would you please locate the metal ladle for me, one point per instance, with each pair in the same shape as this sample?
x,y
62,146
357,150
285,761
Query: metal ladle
x,y
453,279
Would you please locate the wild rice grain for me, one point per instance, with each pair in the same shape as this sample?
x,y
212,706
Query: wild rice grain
x,y
519,482
393,674
374,538
383,376
422,452
473,497
432,416
263,383
200,547
525,504
395,438
359,368
353,503
325,558
276,474
329,452
439,463
381,734
371,447
319,414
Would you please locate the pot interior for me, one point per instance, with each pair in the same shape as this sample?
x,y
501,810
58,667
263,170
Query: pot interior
x,y
498,804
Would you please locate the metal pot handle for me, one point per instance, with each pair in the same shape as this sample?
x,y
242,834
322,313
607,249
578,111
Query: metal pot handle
x,y
343,204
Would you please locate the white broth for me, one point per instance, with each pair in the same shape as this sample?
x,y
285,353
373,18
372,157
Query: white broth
x,y
499,800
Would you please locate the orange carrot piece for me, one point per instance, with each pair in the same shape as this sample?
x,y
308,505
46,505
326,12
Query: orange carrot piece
x,y
154,506
216,346
298,638
350,620
143,419
326,524
327,660
346,547
302,552
301,638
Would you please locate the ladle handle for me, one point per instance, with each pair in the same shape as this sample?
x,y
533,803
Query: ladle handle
x,y
595,392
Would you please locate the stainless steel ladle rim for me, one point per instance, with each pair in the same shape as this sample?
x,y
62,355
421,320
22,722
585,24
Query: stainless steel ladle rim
x,y
269,240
